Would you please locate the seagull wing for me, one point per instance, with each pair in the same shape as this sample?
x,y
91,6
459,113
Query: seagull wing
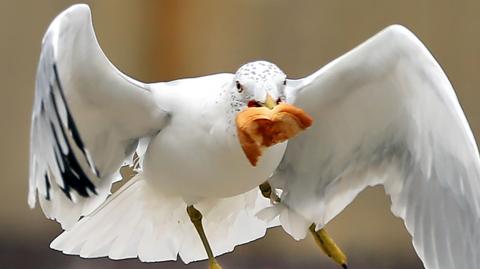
x,y
385,113
87,119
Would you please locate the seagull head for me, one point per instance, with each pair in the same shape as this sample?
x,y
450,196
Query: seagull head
x,y
260,83
266,120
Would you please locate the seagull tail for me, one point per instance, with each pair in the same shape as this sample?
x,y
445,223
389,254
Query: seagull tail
x,y
138,221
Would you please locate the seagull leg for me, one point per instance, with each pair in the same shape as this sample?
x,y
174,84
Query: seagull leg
x,y
196,219
329,247
323,240
266,190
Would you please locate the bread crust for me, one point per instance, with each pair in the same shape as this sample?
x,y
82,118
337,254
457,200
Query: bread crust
x,y
260,127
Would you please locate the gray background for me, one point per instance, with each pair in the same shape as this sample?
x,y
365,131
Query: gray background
x,y
163,40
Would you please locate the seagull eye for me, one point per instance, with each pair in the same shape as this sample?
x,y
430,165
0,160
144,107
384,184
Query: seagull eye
x,y
285,82
239,87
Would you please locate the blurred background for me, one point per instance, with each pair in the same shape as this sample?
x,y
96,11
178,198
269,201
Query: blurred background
x,y
160,40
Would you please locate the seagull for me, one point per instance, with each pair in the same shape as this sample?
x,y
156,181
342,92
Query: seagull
x,y
383,114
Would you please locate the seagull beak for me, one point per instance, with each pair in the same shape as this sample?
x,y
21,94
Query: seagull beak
x,y
269,102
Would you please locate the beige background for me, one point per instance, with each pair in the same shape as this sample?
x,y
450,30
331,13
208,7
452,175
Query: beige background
x,y
162,40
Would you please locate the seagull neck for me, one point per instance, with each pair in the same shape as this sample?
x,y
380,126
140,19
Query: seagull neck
x,y
231,104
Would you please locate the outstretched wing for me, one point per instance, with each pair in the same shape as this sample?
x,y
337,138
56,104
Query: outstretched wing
x,y
385,113
86,121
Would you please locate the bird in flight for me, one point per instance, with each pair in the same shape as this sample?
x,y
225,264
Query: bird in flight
x,y
382,114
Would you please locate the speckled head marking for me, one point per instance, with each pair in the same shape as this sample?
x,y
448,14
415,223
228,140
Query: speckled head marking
x,y
256,80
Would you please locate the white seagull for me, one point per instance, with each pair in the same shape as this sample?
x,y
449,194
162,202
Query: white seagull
x,y
384,113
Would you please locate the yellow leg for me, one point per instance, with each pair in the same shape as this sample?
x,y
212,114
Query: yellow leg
x,y
323,240
329,247
196,218
266,190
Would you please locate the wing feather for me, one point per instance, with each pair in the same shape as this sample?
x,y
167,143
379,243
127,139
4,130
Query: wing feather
x,y
87,119
385,113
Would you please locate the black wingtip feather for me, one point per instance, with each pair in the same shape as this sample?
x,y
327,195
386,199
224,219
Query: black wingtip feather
x,y
73,175
47,187
72,127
